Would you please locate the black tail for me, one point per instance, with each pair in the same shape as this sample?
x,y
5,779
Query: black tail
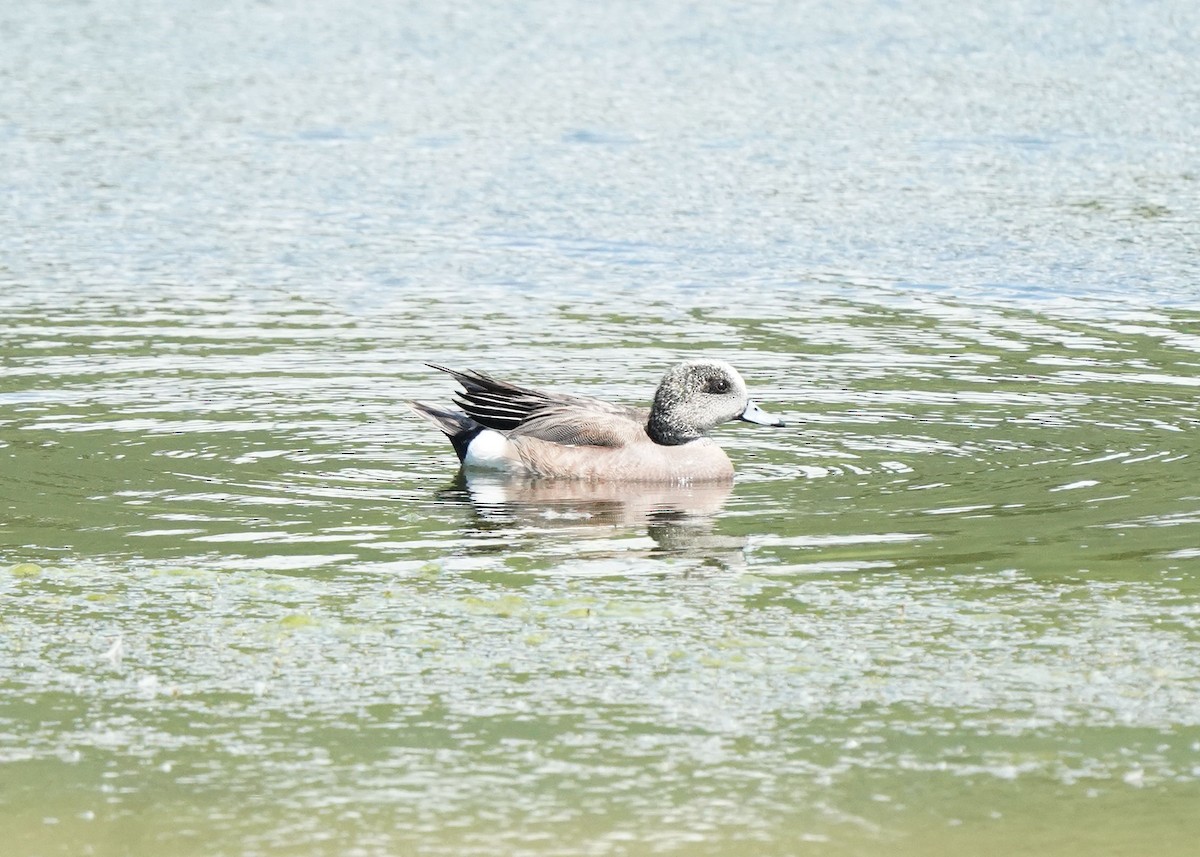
x,y
457,426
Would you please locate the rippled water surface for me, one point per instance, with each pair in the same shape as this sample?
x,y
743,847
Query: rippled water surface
x,y
247,605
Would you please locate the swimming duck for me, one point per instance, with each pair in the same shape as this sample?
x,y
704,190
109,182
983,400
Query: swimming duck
x,y
520,430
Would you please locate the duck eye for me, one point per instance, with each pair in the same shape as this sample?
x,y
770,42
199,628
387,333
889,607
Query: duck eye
x,y
717,385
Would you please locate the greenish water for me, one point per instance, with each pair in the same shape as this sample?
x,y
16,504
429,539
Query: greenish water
x,y
247,608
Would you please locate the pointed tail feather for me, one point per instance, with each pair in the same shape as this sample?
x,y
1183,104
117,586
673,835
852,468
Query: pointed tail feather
x,y
457,426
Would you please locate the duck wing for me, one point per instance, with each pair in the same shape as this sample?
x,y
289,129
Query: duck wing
x,y
553,417
586,422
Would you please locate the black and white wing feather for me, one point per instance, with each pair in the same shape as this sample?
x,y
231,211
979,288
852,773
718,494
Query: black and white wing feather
x,y
554,417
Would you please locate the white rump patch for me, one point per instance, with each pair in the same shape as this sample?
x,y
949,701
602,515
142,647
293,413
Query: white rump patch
x,y
488,450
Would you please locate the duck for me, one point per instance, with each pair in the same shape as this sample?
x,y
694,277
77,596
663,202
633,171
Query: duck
x,y
519,430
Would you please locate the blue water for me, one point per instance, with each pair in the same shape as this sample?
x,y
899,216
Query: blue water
x,y
354,153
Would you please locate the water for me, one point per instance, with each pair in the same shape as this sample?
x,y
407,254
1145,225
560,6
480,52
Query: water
x,y
246,605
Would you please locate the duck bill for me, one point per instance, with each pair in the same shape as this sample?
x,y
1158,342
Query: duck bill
x,y
755,414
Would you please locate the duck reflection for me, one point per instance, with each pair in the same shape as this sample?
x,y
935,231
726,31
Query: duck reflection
x,y
678,518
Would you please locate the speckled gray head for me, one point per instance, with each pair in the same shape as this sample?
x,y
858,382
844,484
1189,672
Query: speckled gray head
x,y
696,396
